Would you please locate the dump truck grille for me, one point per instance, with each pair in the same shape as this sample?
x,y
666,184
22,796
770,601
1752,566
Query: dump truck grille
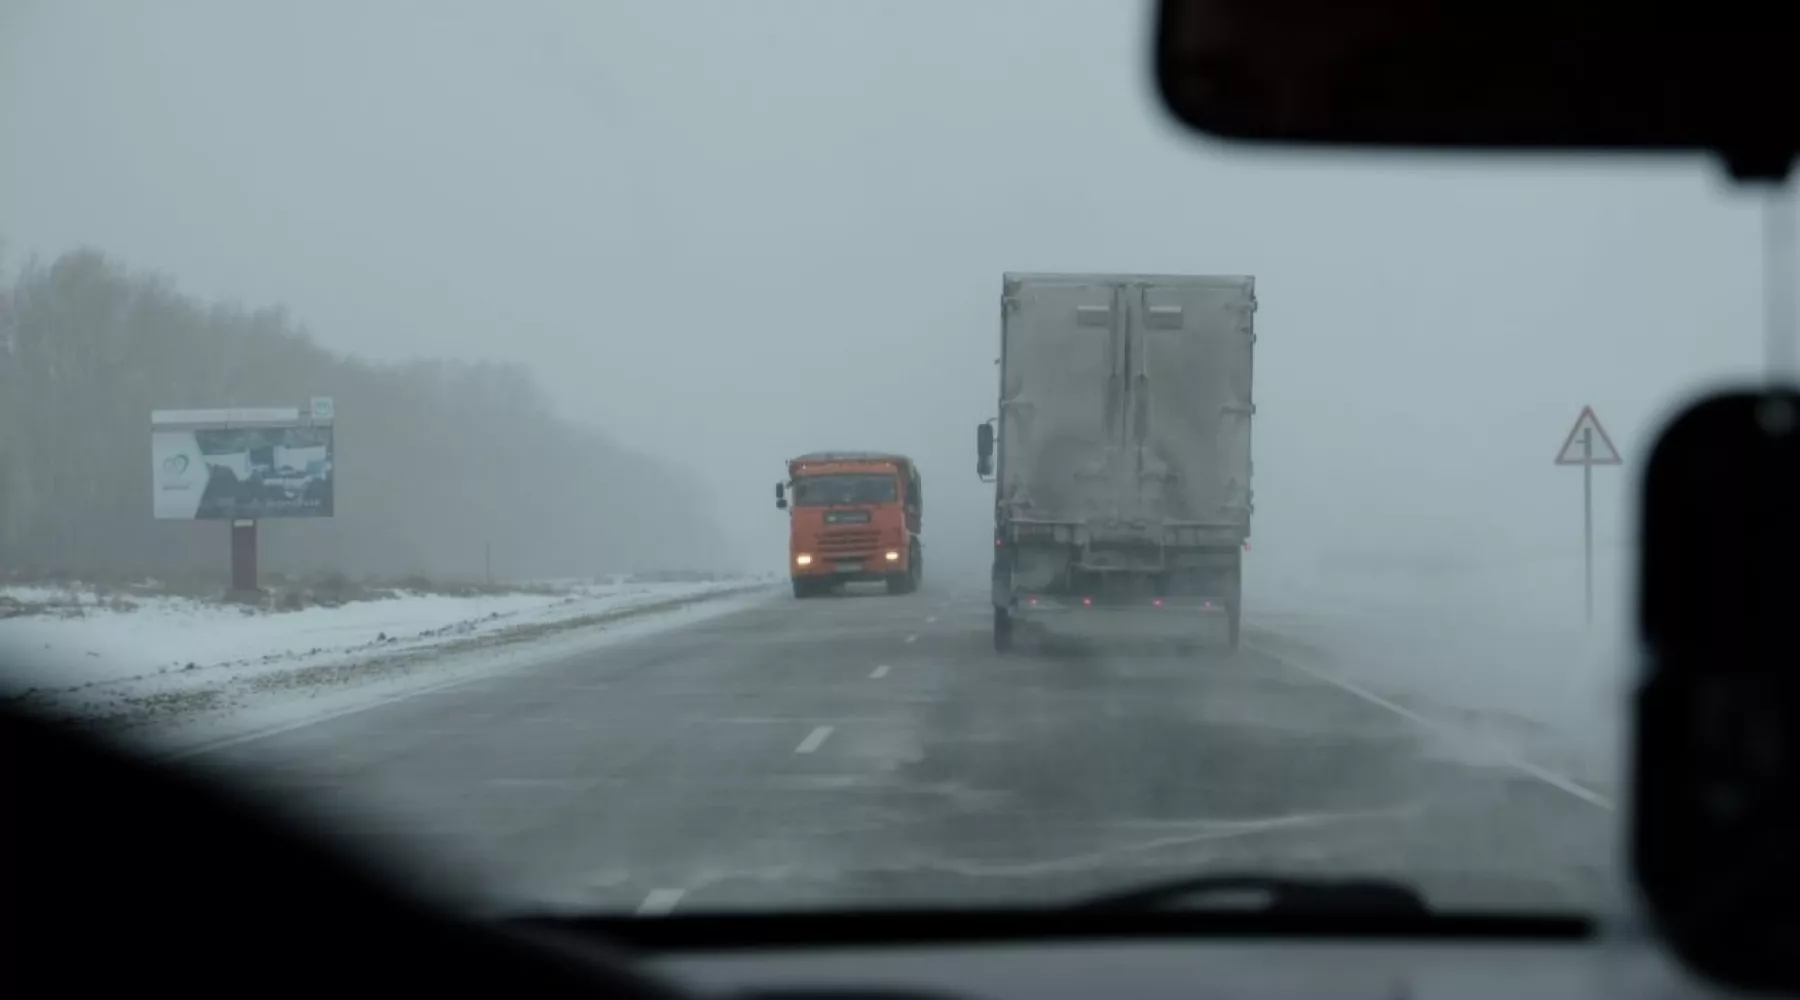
x,y
849,541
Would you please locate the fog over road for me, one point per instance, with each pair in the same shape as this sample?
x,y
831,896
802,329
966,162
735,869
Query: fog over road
x,y
874,750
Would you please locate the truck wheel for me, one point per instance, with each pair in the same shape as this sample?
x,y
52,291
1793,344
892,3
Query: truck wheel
x,y
1003,630
804,588
1234,605
907,582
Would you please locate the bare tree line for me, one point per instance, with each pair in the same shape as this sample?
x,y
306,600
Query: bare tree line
x,y
436,461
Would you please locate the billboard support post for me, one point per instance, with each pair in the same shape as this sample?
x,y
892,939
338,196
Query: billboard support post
x,y
243,556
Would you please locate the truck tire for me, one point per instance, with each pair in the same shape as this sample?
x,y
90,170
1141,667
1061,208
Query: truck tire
x,y
1003,630
1235,605
907,582
804,588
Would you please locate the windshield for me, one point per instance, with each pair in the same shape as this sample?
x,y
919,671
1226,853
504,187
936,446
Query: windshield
x,y
828,491
391,397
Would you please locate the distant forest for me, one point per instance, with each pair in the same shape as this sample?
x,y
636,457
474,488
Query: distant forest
x,y
435,460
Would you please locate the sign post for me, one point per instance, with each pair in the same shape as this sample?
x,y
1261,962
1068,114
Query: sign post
x,y
1587,446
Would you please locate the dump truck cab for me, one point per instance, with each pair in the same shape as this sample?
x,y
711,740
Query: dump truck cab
x,y
853,517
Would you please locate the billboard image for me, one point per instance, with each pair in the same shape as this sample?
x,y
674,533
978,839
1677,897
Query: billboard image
x,y
242,471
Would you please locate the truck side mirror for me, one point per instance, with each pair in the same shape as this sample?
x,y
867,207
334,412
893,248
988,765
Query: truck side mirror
x,y
780,497
984,449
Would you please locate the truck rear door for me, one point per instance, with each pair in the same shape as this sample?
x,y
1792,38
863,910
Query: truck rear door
x,y
1061,396
1189,359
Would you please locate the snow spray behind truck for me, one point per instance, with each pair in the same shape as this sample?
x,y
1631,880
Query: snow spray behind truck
x,y
1121,453
855,517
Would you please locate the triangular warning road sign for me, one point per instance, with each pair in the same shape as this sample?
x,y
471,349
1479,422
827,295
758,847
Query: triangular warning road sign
x,y
1587,443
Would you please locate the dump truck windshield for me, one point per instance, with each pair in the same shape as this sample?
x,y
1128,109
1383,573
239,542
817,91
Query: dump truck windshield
x,y
827,491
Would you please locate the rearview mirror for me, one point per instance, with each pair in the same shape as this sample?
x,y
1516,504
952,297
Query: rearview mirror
x,y
780,497
984,449
1580,75
1717,708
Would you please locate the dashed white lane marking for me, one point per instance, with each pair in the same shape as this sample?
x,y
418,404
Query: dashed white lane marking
x,y
814,740
660,902
1550,778
930,619
913,637
879,672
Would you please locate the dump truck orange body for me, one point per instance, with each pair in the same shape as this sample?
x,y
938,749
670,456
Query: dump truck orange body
x,y
854,517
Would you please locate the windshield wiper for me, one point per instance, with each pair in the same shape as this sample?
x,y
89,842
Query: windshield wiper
x,y
1270,895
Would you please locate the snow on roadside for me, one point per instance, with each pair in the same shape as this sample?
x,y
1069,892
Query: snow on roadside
x,y
44,594
163,634
1497,653
261,705
175,657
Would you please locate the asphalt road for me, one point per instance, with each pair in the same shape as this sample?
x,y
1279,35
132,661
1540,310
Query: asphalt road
x,y
874,749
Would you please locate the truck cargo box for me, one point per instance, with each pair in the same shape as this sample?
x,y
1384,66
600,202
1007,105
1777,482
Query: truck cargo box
x,y
1123,464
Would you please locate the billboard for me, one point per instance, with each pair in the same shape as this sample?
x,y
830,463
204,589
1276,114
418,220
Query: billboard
x,y
232,464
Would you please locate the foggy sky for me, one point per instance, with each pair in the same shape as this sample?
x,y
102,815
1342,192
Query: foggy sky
x,y
729,232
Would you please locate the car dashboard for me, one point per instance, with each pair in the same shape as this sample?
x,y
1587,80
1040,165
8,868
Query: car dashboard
x,y
1192,970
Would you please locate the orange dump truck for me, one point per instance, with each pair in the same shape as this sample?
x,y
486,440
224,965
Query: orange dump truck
x,y
854,517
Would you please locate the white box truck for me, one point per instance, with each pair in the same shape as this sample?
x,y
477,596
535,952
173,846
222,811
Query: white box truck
x,y
1121,452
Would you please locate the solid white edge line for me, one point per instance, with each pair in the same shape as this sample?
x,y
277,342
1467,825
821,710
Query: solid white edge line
x,y
1518,763
878,672
814,740
660,902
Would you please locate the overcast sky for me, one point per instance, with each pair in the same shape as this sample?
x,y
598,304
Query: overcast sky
x,y
728,232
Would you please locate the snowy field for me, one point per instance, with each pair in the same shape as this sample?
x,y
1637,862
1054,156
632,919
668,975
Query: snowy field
x,y
1497,654
193,671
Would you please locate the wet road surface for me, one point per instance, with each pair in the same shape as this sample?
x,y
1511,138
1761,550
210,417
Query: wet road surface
x,y
870,749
